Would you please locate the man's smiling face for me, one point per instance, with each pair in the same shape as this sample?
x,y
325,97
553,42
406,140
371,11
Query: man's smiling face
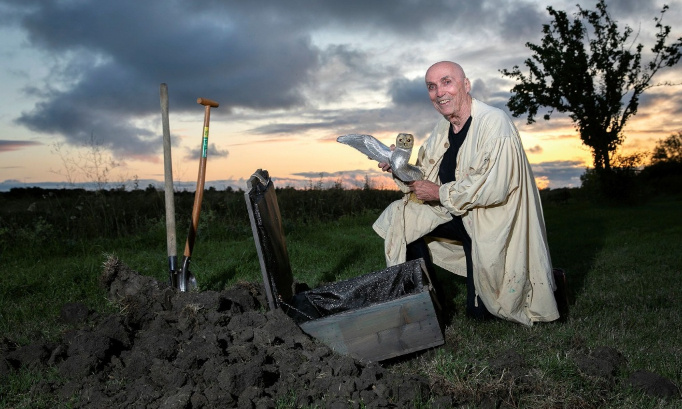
x,y
449,90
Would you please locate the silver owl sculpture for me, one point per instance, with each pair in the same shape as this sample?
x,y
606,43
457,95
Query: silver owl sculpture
x,y
397,158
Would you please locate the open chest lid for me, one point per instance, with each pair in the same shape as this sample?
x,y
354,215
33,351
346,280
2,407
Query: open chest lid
x,y
266,224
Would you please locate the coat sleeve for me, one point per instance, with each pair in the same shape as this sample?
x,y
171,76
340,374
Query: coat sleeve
x,y
486,180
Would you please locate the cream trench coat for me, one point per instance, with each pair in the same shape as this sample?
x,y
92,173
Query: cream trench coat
x,y
496,195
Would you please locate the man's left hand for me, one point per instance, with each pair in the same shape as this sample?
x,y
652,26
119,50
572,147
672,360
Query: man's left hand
x,y
425,190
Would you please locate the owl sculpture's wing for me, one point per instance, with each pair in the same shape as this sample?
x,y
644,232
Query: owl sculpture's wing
x,y
368,145
401,168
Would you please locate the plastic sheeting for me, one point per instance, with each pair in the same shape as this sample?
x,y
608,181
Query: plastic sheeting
x,y
347,295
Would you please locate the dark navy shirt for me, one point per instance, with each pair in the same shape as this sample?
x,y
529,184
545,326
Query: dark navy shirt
x,y
446,172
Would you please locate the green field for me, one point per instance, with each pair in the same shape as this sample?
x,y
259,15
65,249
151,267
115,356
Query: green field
x,y
623,264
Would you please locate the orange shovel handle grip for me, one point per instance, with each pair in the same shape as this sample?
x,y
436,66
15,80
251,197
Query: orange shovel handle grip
x,y
207,102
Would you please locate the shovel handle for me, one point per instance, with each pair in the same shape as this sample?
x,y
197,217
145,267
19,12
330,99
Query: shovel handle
x,y
199,193
168,174
208,102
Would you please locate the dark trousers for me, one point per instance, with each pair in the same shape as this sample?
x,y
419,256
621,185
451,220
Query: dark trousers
x,y
453,230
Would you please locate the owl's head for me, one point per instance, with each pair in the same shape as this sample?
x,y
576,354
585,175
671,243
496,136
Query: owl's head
x,y
404,140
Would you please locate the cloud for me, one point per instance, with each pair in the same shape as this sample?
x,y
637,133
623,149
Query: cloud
x,y
331,123
211,152
341,70
285,69
535,149
399,17
662,96
631,7
563,173
405,92
489,91
522,21
108,66
349,179
9,145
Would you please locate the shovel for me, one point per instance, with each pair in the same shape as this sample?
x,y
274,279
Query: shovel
x,y
168,190
186,280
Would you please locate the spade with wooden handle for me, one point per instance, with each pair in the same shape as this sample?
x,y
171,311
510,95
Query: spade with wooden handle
x,y
186,280
168,190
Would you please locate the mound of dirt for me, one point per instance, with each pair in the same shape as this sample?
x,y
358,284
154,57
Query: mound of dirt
x,y
167,349
203,350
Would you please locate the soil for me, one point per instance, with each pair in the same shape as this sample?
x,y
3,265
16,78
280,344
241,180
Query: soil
x,y
167,349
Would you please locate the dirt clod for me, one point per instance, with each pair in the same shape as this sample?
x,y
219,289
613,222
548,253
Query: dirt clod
x,y
653,384
602,362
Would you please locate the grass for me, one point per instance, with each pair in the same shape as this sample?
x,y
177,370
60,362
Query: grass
x,y
623,266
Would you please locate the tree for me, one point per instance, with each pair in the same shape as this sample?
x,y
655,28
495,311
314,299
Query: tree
x,y
668,149
595,75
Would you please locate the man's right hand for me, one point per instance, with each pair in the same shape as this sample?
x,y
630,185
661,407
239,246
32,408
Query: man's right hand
x,y
425,190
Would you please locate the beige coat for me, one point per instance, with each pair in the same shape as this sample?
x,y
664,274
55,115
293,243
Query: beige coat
x,y
496,196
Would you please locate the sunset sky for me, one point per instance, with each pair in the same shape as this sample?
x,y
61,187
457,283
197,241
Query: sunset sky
x,y
290,76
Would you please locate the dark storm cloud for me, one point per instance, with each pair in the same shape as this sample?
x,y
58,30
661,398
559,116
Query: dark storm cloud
x,y
126,45
397,17
109,59
417,120
522,21
408,93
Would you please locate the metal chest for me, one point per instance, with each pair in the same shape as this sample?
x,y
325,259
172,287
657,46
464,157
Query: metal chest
x,y
373,317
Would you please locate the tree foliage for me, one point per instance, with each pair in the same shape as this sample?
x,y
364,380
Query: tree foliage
x,y
586,67
668,149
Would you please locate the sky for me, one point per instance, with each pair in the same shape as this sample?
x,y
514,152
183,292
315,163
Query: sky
x,y
80,86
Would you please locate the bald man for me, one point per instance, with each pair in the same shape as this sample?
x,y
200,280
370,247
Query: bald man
x,y
477,213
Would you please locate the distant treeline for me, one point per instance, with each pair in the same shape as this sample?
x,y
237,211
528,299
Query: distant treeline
x,y
628,184
41,217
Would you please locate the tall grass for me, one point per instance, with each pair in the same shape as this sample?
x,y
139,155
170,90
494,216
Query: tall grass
x,y
623,266
52,242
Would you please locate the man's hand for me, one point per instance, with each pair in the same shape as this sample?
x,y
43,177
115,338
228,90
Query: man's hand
x,y
425,190
385,166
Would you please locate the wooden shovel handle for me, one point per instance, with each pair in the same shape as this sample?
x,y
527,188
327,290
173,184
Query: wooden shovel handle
x,y
207,102
168,174
199,194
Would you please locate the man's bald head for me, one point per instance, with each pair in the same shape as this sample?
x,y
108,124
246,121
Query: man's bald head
x,y
449,92
453,67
